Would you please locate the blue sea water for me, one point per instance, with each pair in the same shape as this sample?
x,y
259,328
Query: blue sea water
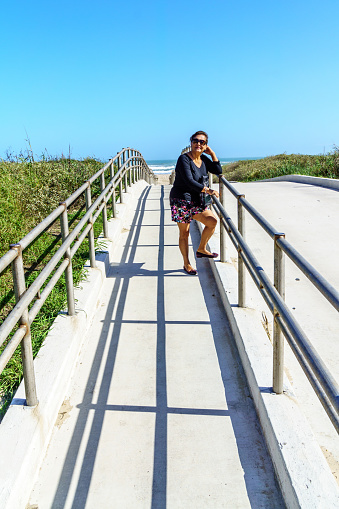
x,y
167,165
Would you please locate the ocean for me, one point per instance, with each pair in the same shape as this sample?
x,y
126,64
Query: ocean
x,y
167,165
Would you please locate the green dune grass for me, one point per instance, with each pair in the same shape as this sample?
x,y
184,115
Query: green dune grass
x,y
283,164
29,191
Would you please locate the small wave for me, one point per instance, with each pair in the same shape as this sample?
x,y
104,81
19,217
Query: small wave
x,y
162,167
162,172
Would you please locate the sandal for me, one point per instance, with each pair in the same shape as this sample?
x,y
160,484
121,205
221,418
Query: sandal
x,y
191,272
203,255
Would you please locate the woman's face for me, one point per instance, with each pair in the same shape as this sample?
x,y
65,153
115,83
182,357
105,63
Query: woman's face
x,y
199,143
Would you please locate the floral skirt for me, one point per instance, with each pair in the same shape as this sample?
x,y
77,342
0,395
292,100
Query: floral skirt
x,y
183,211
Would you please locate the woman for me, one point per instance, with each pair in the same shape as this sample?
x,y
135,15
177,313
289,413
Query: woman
x,y
186,200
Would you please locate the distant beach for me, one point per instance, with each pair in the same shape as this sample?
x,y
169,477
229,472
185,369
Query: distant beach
x,y
166,166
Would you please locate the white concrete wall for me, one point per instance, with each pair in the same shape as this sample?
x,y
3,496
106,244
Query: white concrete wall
x,y
305,179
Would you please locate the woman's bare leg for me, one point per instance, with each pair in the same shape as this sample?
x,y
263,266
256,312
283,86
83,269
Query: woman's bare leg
x,y
184,231
208,219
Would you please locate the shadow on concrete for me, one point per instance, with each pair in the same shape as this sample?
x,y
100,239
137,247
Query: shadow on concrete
x,y
250,441
241,413
82,489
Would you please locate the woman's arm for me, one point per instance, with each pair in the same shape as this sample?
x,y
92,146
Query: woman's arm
x,y
211,153
213,166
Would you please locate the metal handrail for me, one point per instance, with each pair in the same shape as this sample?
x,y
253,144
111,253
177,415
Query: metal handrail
x,y
329,292
284,323
130,166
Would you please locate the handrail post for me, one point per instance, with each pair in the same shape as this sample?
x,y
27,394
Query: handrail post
x,y
91,232
120,191
241,267
143,171
68,270
120,183
130,170
278,338
111,170
114,203
26,342
133,170
139,170
124,159
222,228
136,170
114,211
149,180
104,210
127,170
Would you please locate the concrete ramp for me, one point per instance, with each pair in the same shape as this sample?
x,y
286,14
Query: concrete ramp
x,y
158,414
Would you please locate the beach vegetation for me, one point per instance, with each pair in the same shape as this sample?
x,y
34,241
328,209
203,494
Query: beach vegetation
x,y
326,165
30,189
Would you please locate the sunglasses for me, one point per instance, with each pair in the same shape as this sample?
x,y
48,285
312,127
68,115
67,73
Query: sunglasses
x,y
195,140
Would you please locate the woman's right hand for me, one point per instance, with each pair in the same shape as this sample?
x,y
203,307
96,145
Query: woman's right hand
x,y
214,193
211,192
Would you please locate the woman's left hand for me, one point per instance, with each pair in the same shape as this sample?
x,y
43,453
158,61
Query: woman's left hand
x,y
208,150
211,153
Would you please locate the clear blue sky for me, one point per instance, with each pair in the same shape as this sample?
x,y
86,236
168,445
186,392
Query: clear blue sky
x,y
261,77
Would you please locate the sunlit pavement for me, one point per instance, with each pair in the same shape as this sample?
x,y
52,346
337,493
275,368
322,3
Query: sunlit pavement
x,y
158,413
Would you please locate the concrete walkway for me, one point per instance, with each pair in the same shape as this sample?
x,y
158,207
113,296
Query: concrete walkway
x,y
158,413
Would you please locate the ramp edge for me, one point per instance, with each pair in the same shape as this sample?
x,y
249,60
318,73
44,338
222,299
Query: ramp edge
x,y
302,471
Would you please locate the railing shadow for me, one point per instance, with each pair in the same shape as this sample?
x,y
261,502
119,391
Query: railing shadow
x,y
86,472
233,378
250,441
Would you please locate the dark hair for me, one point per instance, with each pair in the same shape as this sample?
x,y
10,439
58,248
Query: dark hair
x,y
199,132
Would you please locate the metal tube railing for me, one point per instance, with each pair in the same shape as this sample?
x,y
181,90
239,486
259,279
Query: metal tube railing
x,y
47,290
222,227
120,180
26,342
68,270
41,227
39,281
241,268
90,231
11,346
284,323
104,209
327,290
71,241
125,175
278,340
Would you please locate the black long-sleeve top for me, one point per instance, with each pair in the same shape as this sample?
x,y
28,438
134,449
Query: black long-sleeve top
x,y
188,177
